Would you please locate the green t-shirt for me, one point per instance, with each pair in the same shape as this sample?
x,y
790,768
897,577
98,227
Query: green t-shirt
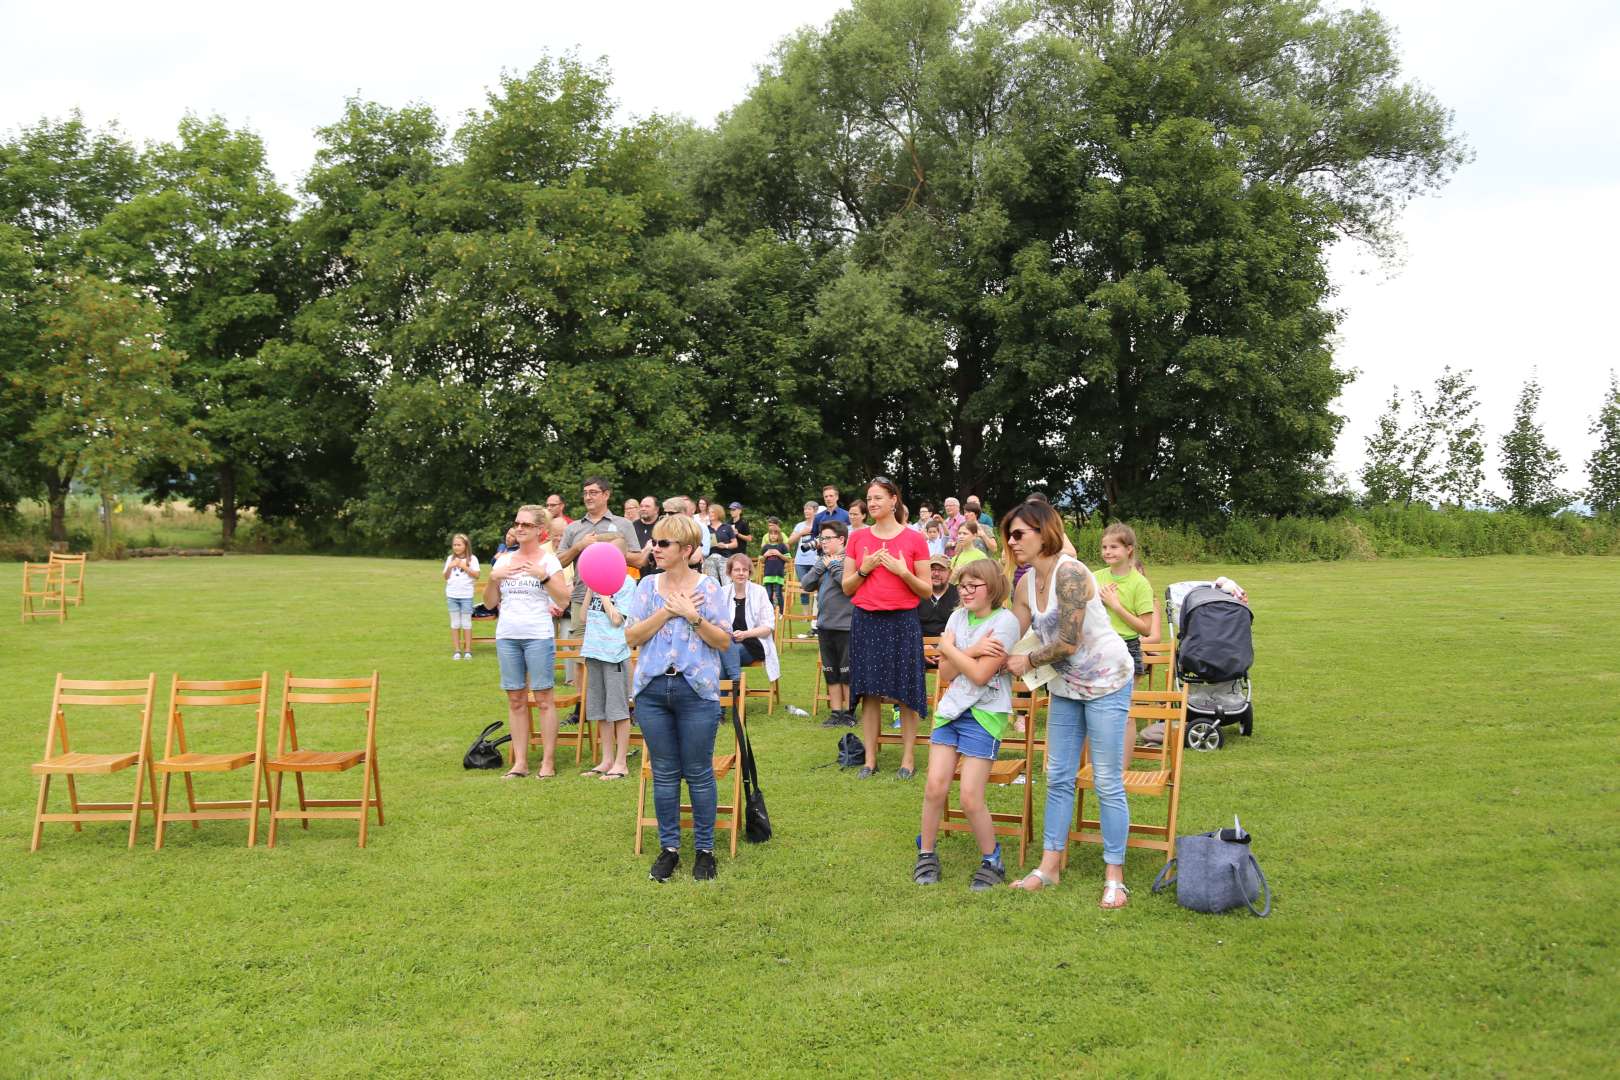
x,y
993,722
970,554
1135,595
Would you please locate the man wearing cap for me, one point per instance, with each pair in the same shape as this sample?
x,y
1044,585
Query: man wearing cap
x,y
934,611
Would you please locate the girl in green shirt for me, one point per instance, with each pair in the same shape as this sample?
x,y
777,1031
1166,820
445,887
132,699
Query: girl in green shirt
x,y
1125,591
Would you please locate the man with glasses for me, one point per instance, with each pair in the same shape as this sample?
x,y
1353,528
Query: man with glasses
x,y
597,526
559,515
835,613
934,611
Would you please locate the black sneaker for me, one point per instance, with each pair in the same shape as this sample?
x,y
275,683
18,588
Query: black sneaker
x,y
664,866
703,867
834,719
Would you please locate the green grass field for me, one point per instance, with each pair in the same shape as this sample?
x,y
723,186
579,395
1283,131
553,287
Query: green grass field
x,y
1432,786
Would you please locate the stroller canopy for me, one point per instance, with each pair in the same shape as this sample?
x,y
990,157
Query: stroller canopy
x,y
1214,634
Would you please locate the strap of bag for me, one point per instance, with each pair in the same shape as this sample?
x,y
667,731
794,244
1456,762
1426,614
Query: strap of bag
x,y
482,735
1164,880
1264,885
502,741
745,755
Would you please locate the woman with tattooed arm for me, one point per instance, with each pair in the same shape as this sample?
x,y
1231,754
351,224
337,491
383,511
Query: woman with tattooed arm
x,y
1091,694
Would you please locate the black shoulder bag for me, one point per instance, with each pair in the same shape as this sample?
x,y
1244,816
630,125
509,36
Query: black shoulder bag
x,y
484,754
756,821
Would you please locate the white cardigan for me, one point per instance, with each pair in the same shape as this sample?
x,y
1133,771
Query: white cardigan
x,y
757,612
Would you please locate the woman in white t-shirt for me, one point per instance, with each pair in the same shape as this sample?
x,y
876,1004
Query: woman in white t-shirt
x,y
526,583
460,574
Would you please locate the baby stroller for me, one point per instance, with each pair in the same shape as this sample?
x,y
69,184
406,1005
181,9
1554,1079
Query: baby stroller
x,y
1214,651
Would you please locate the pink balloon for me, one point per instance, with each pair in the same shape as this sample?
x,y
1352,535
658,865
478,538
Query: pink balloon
x,y
602,568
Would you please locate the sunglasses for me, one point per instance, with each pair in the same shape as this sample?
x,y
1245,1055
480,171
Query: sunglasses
x,y
662,544
1016,535
525,525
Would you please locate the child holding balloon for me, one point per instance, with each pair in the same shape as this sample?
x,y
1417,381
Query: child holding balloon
x,y
607,656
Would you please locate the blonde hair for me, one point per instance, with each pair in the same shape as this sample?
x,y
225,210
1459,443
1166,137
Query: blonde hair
x,y
1125,535
679,528
542,517
463,538
987,571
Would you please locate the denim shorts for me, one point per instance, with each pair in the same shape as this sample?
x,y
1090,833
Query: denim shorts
x,y
460,610
527,663
968,736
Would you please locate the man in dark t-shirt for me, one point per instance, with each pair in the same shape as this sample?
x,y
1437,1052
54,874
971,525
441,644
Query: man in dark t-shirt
x,y
934,610
646,518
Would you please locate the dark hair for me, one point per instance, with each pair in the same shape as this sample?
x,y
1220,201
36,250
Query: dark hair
x,y
901,514
836,526
598,482
1042,518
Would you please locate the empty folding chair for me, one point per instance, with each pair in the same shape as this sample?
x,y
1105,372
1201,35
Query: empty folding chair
x,y
291,758
179,757
60,759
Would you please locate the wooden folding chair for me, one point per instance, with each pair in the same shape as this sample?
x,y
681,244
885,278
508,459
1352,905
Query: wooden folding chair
x,y
795,617
69,763
733,694
820,694
1003,771
771,691
205,694
43,594
487,625
584,732
931,687
289,758
72,575
1159,664
1170,707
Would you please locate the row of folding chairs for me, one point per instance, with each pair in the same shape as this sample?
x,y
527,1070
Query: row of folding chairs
x,y
124,745
50,588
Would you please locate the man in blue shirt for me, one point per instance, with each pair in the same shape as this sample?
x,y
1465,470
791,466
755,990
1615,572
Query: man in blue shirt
x,y
833,512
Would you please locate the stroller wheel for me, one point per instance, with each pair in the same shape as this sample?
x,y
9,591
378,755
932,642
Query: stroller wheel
x,y
1204,735
1246,722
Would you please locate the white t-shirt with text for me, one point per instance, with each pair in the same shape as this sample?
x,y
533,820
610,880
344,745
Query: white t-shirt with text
x,y
525,604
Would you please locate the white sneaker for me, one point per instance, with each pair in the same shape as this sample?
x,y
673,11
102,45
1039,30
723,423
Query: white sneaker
x,y
455,656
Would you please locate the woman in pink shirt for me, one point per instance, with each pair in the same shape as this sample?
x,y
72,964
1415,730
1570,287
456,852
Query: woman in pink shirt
x,y
885,575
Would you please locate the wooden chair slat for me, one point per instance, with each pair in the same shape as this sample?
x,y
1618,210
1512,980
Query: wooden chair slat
x,y
222,699
217,684
123,700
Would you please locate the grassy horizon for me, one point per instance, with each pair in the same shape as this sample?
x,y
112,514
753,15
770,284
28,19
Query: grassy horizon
x,y
1430,785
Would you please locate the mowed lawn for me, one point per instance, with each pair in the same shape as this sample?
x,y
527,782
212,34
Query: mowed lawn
x,y
1432,785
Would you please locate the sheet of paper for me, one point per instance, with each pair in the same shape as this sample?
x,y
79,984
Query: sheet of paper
x,y
1035,677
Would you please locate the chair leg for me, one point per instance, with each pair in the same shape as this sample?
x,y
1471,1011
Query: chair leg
x,y
641,801
275,805
135,801
191,801
365,801
253,805
162,811
303,805
376,784
39,811
73,801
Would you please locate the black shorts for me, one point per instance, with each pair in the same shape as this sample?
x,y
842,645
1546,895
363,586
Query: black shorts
x,y
1134,644
834,656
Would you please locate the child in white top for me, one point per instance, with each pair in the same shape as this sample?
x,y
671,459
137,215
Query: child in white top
x,y
460,574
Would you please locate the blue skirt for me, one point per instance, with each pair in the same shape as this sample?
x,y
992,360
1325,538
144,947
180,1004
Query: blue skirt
x,y
886,657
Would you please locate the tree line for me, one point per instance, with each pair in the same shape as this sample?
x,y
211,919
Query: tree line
x,y
1070,245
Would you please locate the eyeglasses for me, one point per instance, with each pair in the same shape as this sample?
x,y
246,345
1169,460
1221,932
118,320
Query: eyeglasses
x,y
829,536
525,525
1018,534
964,585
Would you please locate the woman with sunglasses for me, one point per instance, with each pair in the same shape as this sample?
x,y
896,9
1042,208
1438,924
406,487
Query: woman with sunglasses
x,y
679,621
886,575
526,582
1091,692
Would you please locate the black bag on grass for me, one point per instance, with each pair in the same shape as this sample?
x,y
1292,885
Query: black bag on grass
x,y
1216,872
851,751
756,821
484,754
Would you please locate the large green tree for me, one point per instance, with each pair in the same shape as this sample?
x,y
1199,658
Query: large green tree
x,y
58,179
108,406
1603,466
210,232
1106,221
1529,464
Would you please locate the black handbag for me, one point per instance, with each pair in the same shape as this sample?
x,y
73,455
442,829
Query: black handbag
x,y
756,820
484,754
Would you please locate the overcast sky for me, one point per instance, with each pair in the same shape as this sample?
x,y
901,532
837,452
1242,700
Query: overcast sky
x,y
1507,270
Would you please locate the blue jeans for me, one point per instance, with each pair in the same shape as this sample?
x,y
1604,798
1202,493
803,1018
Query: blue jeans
x,y
733,659
679,728
1068,725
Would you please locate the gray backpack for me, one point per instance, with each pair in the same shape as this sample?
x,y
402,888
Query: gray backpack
x,y
1215,872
